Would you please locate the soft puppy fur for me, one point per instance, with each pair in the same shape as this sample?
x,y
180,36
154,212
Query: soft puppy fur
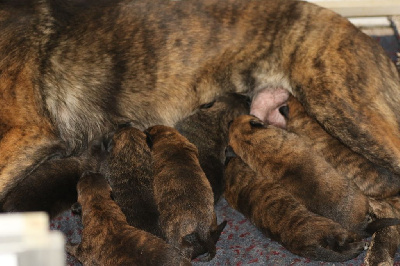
x,y
183,194
71,71
372,179
128,167
276,154
107,239
208,130
280,215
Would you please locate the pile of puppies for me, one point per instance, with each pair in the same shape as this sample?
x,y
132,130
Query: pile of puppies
x,y
162,207
298,185
308,191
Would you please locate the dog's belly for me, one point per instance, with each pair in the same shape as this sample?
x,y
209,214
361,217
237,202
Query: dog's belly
x,y
172,57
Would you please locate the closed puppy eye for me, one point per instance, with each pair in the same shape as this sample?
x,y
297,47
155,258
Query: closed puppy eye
x,y
257,124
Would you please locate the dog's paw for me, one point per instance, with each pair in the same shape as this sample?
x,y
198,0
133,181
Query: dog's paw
x,y
340,246
326,240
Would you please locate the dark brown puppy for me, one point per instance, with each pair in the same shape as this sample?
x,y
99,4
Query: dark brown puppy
x,y
107,239
281,156
282,217
373,180
208,130
183,194
128,167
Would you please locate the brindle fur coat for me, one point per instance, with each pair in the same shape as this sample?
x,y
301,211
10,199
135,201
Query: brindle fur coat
x,y
71,71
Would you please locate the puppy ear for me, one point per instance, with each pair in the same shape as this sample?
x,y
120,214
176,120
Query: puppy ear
x,y
284,110
149,139
257,123
215,234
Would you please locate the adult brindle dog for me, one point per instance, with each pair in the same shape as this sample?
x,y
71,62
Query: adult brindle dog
x,y
71,71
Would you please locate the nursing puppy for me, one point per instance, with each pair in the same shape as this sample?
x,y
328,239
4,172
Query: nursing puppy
x,y
128,167
280,215
208,130
107,239
372,179
183,194
281,156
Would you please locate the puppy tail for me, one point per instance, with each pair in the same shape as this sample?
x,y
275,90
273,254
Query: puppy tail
x,y
380,223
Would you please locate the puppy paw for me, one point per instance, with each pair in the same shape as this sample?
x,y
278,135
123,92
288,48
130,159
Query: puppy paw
x,y
335,244
341,246
324,240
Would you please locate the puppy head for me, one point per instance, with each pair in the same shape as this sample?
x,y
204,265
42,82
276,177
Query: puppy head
x,y
127,135
245,125
164,134
91,184
245,130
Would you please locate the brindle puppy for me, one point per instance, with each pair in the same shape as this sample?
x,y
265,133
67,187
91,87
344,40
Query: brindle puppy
x,y
70,71
128,167
107,239
373,180
281,156
183,194
208,130
280,215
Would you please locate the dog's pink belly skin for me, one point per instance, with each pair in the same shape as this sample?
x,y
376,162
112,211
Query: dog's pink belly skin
x,y
265,105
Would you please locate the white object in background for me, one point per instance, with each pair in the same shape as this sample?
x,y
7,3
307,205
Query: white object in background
x,y
361,8
25,240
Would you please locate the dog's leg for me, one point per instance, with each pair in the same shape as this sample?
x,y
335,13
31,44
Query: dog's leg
x,y
33,177
22,150
357,107
51,187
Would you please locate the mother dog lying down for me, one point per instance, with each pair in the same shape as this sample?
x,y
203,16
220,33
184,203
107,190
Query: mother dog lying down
x,y
71,72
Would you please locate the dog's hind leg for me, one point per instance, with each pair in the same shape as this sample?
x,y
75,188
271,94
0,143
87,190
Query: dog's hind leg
x,y
358,107
28,160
